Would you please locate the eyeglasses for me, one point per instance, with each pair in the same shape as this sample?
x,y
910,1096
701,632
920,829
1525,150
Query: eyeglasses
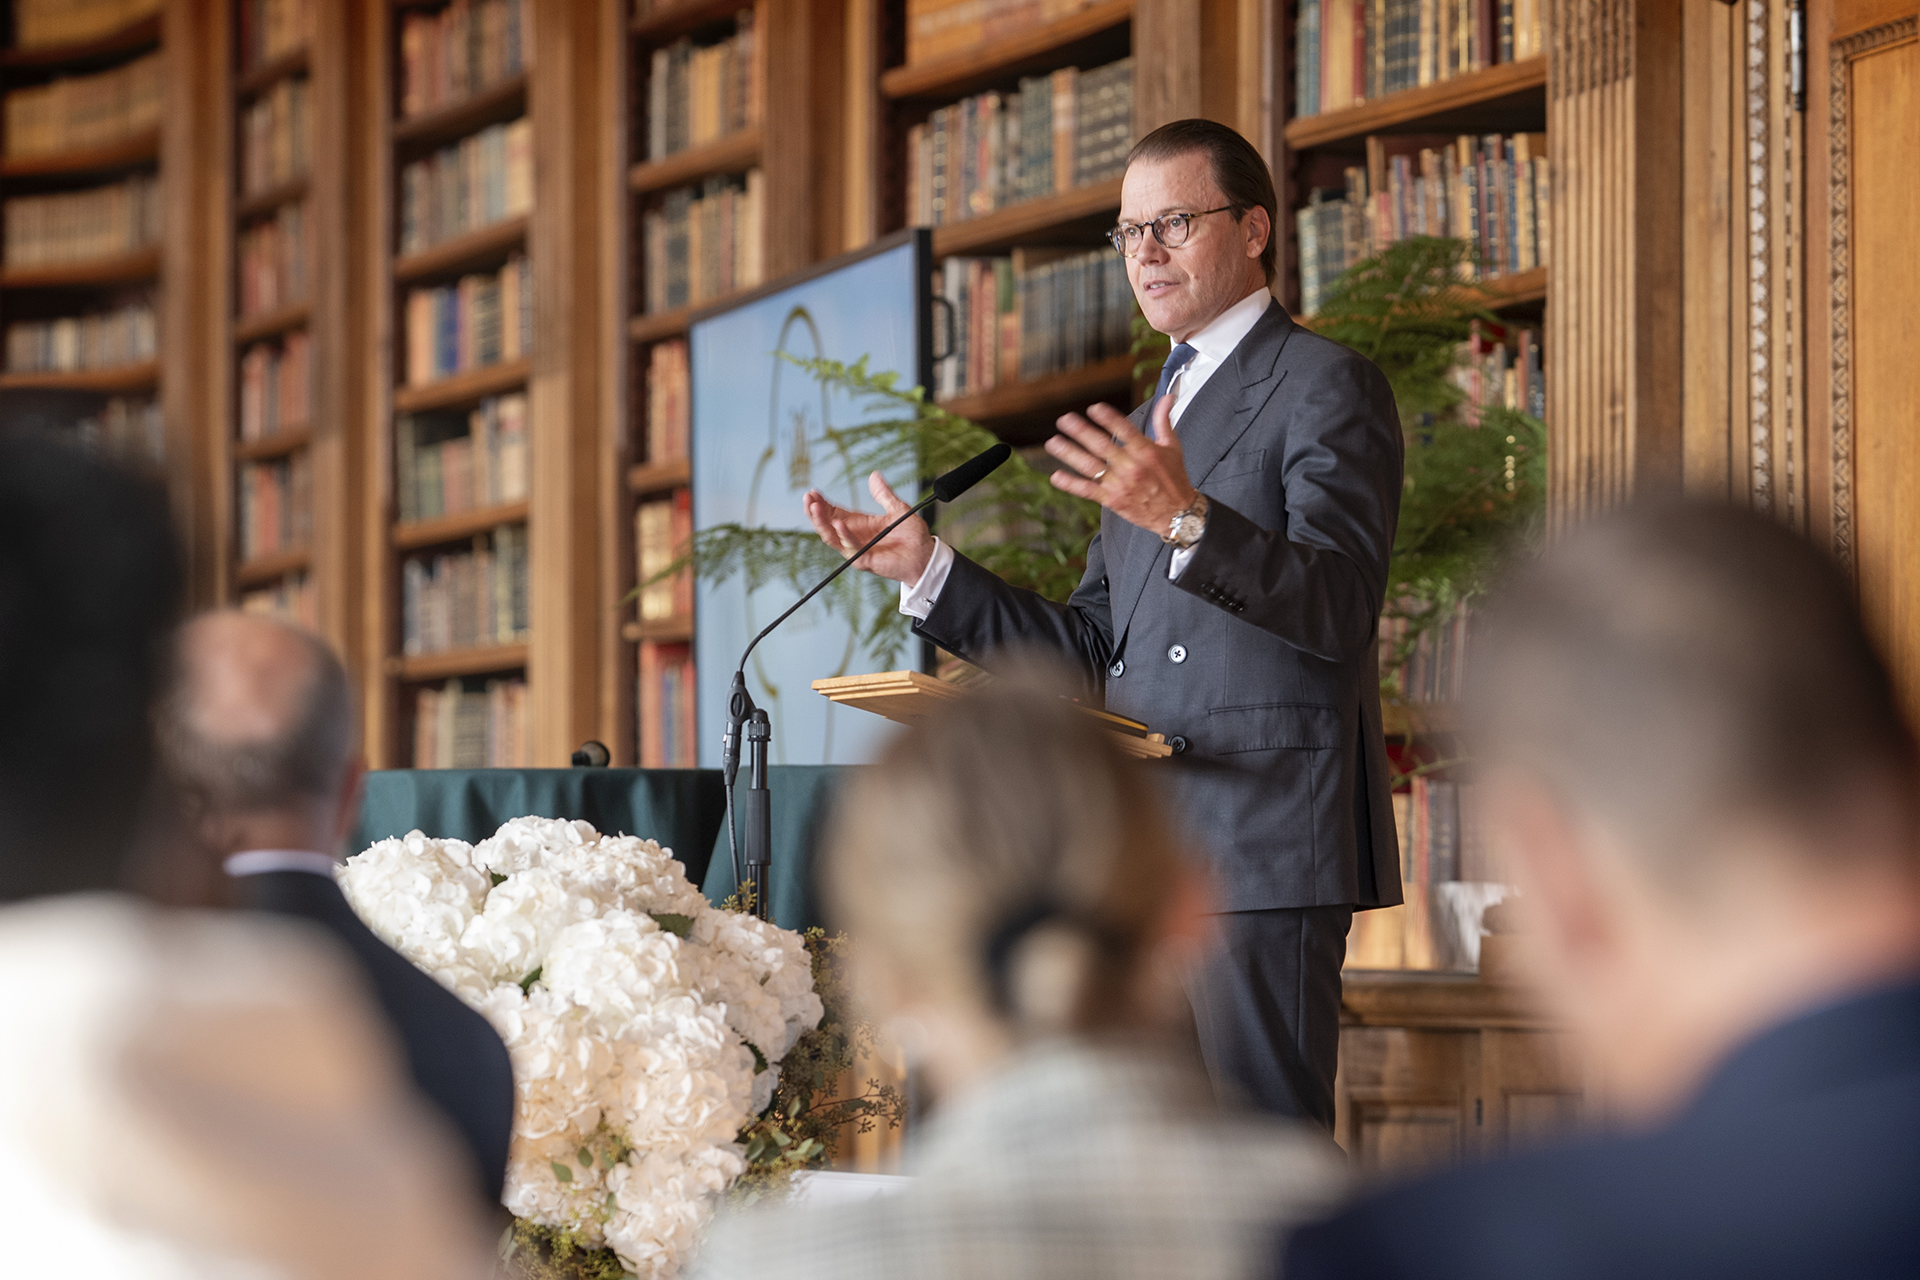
x,y
1170,229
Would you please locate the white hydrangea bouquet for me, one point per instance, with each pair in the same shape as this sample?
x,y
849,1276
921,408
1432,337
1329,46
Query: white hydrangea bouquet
x,y
646,1027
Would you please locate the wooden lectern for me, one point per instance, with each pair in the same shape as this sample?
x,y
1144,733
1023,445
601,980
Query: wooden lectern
x,y
905,696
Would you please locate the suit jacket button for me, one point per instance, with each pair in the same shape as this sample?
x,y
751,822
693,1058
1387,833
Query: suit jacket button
x,y
1178,743
1177,654
1118,669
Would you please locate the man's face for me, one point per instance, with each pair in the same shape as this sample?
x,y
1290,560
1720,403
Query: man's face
x,y
1181,290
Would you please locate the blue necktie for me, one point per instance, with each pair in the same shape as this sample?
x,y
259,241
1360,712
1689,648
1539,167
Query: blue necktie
x,y
1176,361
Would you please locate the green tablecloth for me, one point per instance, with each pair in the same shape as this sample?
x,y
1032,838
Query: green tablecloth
x,y
684,809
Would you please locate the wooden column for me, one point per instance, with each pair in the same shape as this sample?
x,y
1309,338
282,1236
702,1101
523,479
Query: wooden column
x,y
563,584
1614,314
1167,37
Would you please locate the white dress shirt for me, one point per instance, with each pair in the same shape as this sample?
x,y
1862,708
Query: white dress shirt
x,y
254,862
1212,347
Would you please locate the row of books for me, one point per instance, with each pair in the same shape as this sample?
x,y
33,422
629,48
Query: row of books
x,y
1427,664
274,253
701,93
484,319
457,727
1057,132
276,137
1440,838
40,23
269,28
938,27
669,402
276,386
293,598
1351,51
127,334
1501,366
126,427
706,244
464,48
1037,312
662,528
482,179
95,110
669,734
450,462
467,598
1493,191
275,505
81,226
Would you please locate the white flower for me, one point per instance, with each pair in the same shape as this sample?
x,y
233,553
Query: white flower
x,y
628,1004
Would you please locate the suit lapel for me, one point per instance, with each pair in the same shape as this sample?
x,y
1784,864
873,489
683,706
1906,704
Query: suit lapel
x,y
1219,415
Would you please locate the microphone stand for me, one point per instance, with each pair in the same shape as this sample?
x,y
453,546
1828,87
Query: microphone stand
x,y
741,712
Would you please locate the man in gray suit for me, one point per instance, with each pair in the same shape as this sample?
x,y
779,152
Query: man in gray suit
x,y
1230,600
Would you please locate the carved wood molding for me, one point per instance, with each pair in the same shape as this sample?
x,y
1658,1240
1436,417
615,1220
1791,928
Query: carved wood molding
x,y
1759,257
1839,221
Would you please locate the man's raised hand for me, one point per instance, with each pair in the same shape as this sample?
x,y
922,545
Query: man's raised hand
x,y
1142,481
904,553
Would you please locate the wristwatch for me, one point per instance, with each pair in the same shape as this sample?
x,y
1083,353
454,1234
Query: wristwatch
x,y
1186,528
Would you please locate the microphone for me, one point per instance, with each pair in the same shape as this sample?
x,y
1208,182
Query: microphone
x,y
742,713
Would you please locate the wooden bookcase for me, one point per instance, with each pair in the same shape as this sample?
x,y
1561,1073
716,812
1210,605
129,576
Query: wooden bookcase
x,y
554,517
155,149
786,145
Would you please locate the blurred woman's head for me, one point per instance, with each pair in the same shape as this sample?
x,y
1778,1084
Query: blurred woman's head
x,y
1008,875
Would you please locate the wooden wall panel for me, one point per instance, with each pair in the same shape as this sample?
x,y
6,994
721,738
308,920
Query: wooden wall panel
x,y
1166,65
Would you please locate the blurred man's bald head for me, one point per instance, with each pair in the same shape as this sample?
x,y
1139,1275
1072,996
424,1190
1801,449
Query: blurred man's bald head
x,y
1678,671
260,715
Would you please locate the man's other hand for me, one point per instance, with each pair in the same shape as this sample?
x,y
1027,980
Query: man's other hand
x,y
1142,481
901,556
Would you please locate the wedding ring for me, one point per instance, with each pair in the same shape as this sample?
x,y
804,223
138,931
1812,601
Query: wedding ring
x,y
1103,471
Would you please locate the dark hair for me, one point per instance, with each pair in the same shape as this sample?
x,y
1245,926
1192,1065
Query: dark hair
x,y
305,760
1238,170
89,584
1678,668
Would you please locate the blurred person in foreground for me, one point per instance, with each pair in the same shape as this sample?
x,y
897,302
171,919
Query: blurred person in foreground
x,y
182,1094
257,734
1022,914
1699,770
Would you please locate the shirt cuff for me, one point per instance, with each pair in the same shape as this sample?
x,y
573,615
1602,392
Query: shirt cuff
x,y
1178,561
917,601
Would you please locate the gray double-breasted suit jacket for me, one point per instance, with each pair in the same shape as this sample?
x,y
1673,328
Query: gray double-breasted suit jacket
x,y
1260,662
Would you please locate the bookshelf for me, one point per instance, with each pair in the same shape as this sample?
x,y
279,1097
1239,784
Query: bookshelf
x,y
82,264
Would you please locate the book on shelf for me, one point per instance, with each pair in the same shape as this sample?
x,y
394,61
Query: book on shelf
x,y
669,402
1425,660
75,112
467,599
126,334
1500,365
38,24
448,462
938,27
276,386
484,178
464,48
293,598
662,529
1352,51
83,226
128,428
1035,312
669,735
484,319
698,94
273,257
458,726
1447,882
275,508
276,132
705,242
1067,129
269,28
1491,190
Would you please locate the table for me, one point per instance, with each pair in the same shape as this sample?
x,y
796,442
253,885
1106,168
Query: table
x,y
684,809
